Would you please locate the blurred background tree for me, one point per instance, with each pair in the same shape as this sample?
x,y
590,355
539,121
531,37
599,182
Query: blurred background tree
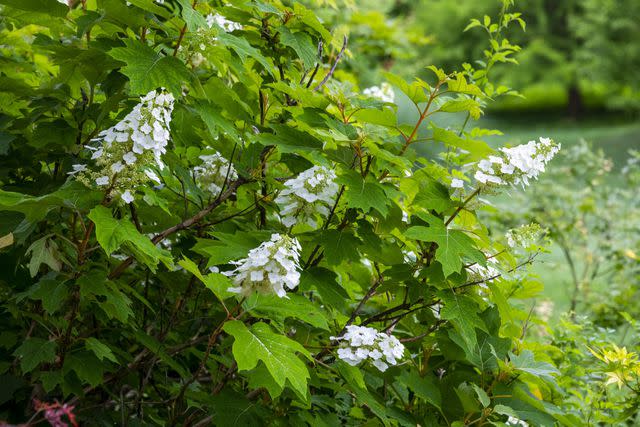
x,y
581,56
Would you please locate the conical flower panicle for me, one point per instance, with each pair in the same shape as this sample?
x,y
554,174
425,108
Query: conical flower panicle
x,y
517,165
125,150
309,194
272,267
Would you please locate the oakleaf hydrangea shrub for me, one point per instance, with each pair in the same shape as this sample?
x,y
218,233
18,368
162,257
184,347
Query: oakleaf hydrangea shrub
x,y
260,239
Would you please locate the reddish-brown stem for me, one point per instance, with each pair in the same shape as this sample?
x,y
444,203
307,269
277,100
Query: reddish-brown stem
x,y
464,203
183,31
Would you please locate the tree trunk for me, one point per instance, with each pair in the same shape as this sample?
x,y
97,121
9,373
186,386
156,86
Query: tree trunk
x,y
575,104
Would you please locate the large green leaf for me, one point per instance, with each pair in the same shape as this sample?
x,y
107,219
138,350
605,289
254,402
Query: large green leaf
x,y
43,251
35,351
101,350
339,246
113,302
526,362
148,70
363,193
295,306
477,149
462,312
324,281
50,7
72,194
424,387
424,192
301,43
243,49
453,245
215,282
88,368
277,352
112,233
215,122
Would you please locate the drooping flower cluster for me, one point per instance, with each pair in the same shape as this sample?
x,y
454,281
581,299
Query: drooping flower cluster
x,y
269,268
124,152
525,235
222,22
517,165
310,193
213,172
384,92
360,343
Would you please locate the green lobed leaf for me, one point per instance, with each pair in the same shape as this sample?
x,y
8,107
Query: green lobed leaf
x,y
148,70
86,366
50,7
301,43
277,352
43,251
295,306
112,234
453,245
364,193
424,387
324,281
101,350
113,302
383,117
525,362
462,312
35,351
215,282
477,149
339,246
244,50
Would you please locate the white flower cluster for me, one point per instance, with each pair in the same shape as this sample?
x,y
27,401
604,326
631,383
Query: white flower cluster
x,y
384,92
222,22
309,193
361,343
517,165
126,150
269,268
213,172
457,183
524,236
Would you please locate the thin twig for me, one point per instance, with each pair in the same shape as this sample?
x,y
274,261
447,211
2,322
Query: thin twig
x,y
333,67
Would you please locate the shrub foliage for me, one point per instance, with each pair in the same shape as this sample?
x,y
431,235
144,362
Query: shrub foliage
x,y
206,221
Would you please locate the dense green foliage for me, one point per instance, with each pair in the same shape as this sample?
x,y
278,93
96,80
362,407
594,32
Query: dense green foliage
x,y
151,153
